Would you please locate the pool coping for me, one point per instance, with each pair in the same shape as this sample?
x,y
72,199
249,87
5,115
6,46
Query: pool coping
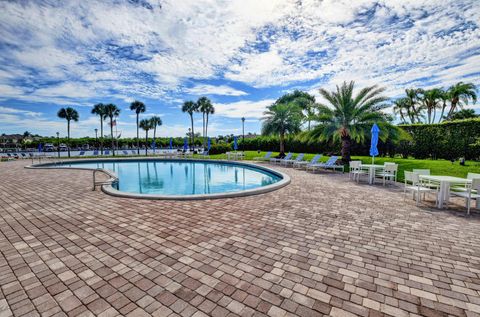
x,y
110,190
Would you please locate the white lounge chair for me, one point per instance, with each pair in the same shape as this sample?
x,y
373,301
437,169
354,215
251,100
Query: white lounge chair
x,y
302,164
263,158
329,164
299,158
279,160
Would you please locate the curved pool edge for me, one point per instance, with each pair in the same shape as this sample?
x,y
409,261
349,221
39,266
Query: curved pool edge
x,y
108,189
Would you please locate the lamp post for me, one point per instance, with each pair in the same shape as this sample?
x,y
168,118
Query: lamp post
x,y
243,134
96,138
58,144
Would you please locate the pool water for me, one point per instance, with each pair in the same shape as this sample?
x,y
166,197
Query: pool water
x,y
170,177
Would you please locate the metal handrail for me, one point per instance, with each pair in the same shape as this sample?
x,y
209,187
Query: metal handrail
x,y
113,178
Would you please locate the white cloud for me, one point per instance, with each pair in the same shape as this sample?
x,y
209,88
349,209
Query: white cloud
x,y
223,90
239,109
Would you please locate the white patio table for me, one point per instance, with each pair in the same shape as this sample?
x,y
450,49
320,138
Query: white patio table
x,y
371,170
445,183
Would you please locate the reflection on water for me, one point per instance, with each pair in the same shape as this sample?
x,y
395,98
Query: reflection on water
x,y
183,177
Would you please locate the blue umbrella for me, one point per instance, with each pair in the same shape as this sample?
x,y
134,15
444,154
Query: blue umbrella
x,y
235,144
209,144
40,147
374,142
171,147
154,146
185,144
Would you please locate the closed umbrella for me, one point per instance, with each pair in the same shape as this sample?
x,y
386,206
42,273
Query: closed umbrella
x,y
154,146
235,144
171,141
185,144
209,144
40,147
374,142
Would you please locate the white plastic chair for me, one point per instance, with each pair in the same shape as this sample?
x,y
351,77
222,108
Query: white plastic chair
x,y
389,172
417,187
472,192
356,170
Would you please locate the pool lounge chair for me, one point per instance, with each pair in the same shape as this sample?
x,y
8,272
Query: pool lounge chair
x,y
279,160
299,158
82,153
263,158
329,164
304,164
95,152
106,152
134,152
205,154
125,152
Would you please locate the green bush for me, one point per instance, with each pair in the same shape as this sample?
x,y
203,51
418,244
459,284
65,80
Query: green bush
x,y
220,148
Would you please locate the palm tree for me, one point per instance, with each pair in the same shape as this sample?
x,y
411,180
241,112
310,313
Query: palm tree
x,y
412,100
464,114
400,107
146,124
99,110
190,107
138,107
430,99
282,119
349,117
69,114
204,105
156,122
444,97
112,111
460,94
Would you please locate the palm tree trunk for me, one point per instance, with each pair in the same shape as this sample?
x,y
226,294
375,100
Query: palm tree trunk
x,y
346,144
309,125
146,142
192,137
453,105
206,131
111,133
101,134
68,137
138,139
203,132
282,145
443,111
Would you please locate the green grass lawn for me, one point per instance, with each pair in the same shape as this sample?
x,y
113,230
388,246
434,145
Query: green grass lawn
x,y
437,167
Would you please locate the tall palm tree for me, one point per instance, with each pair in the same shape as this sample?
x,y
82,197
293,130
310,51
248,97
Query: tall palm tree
x,y
349,118
69,114
400,108
430,99
190,107
204,105
156,122
146,125
460,94
112,111
444,97
282,119
99,110
138,107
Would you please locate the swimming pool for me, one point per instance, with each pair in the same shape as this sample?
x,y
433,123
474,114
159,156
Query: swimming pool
x,y
183,179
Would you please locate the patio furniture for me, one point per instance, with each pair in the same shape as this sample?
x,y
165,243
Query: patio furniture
x,y
235,155
95,152
372,168
125,152
279,160
444,188
329,164
106,152
418,187
133,152
420,171
302,164
299,158
472,192
464,188
205,154
389,173
356,170
263,158
82,153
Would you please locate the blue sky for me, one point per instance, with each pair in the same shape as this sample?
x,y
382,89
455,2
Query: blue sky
x,y
241,54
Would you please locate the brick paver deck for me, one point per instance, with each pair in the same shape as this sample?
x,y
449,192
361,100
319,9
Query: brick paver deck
x,y
320,246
